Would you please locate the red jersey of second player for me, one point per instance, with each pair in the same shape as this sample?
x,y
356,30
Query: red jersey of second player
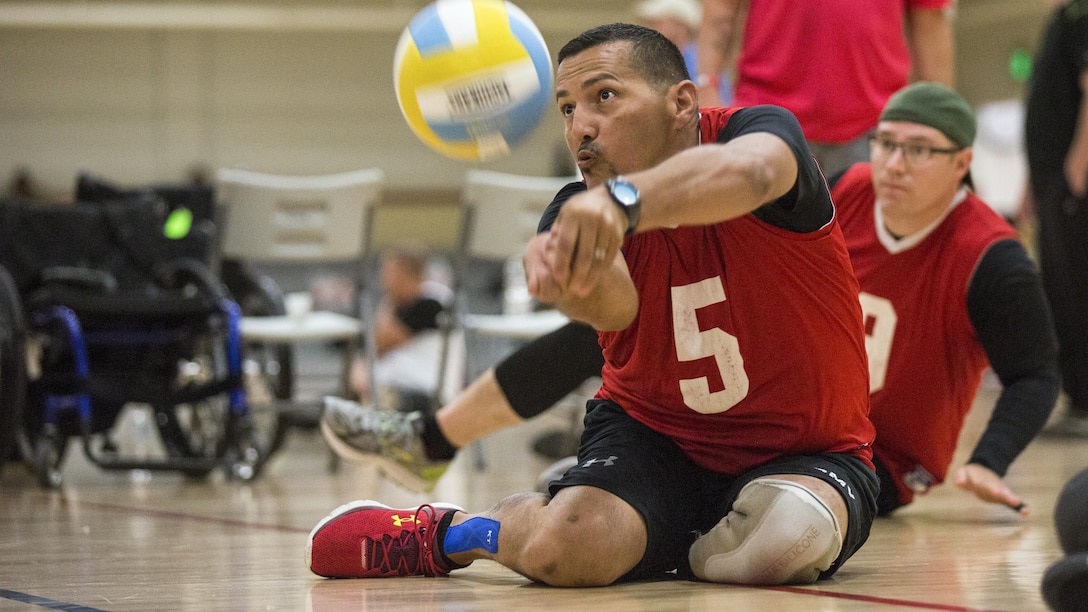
x,y
925,360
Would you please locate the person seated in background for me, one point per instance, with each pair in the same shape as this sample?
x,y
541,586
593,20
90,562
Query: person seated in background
x,y
948,290
407,345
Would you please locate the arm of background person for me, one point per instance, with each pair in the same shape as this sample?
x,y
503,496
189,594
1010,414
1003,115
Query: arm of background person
x,y
930,40
1009,311
389,331
1076,160
714,45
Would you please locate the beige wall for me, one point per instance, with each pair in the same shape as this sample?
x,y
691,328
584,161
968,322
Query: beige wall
x,y
987,32
140,103
147,98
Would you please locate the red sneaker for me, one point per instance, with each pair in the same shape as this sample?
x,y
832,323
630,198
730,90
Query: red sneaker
x,y
366,539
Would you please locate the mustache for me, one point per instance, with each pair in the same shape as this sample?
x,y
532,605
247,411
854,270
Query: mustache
x,y
591,148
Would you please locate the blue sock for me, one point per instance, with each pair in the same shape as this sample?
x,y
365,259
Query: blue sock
x,y
477,532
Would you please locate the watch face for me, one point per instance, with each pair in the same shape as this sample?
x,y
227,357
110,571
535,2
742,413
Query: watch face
x,y
625,192
627,197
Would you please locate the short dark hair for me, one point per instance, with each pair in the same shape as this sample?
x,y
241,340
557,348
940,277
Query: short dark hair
x,y
654,57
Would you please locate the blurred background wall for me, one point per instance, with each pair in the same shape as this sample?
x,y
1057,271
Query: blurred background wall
x,y
142,92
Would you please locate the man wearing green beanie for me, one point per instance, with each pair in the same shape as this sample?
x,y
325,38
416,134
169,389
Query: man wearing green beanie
x,y
945,287
937,106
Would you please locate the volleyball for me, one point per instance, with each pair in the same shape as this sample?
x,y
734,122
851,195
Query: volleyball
x,y
473,77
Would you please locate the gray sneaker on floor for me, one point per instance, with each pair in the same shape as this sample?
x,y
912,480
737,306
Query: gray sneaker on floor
x,y
386,438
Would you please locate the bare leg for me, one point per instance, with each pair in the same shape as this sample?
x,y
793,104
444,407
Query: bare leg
x,y
481,409
359,377
584,536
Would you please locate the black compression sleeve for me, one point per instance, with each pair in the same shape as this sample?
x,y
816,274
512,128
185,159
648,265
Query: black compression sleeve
x,y
544,371
1009,311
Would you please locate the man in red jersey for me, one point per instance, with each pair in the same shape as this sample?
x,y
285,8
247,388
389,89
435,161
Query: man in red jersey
x,y
730,439
945,286
947,289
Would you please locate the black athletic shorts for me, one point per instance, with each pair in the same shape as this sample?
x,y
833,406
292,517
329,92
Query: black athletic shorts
x,y
678,499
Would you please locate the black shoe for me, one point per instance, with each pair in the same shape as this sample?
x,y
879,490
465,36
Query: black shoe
x,y
1065,584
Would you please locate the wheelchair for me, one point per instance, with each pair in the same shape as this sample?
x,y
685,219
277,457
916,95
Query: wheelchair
x,y
98,311
269,371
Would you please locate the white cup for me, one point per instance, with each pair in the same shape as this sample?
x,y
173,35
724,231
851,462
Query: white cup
x,y
298,304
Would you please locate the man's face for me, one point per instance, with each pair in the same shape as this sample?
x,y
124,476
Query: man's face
x,y
615,122
916,168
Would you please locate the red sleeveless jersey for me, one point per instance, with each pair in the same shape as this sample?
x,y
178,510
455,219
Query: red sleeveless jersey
x,y
925,360
748,342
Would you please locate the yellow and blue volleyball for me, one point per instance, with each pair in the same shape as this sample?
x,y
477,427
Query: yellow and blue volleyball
x,y
473,77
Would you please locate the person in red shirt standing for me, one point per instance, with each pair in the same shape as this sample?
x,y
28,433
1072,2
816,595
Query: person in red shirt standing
x,y
833,63
730,440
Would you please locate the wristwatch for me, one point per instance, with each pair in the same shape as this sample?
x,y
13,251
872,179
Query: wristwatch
x,y
626,196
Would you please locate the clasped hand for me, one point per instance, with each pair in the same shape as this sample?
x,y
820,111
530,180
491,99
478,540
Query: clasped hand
x,y
570,260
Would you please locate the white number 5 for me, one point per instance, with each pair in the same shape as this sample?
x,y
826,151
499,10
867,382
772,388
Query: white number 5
x,y
693,343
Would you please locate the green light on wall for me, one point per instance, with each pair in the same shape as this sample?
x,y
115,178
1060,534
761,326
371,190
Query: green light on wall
x,y
1020,65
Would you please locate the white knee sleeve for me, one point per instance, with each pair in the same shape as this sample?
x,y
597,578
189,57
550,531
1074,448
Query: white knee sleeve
x,y
777,532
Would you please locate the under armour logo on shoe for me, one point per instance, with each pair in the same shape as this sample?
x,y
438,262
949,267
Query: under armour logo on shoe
x,y
606,462
399,522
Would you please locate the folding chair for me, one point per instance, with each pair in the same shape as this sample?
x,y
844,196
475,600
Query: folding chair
x,y
303,222
193,224
501,212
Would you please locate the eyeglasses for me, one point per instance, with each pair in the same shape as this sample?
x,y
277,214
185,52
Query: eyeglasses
x,y
914,154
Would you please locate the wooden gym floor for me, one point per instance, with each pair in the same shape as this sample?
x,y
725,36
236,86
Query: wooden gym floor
x,y
121,541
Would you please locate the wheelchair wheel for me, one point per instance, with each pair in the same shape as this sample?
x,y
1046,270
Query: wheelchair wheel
x,y
199,429
268,369
259,295
209,429
262,368
12,367
195,431
49,451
